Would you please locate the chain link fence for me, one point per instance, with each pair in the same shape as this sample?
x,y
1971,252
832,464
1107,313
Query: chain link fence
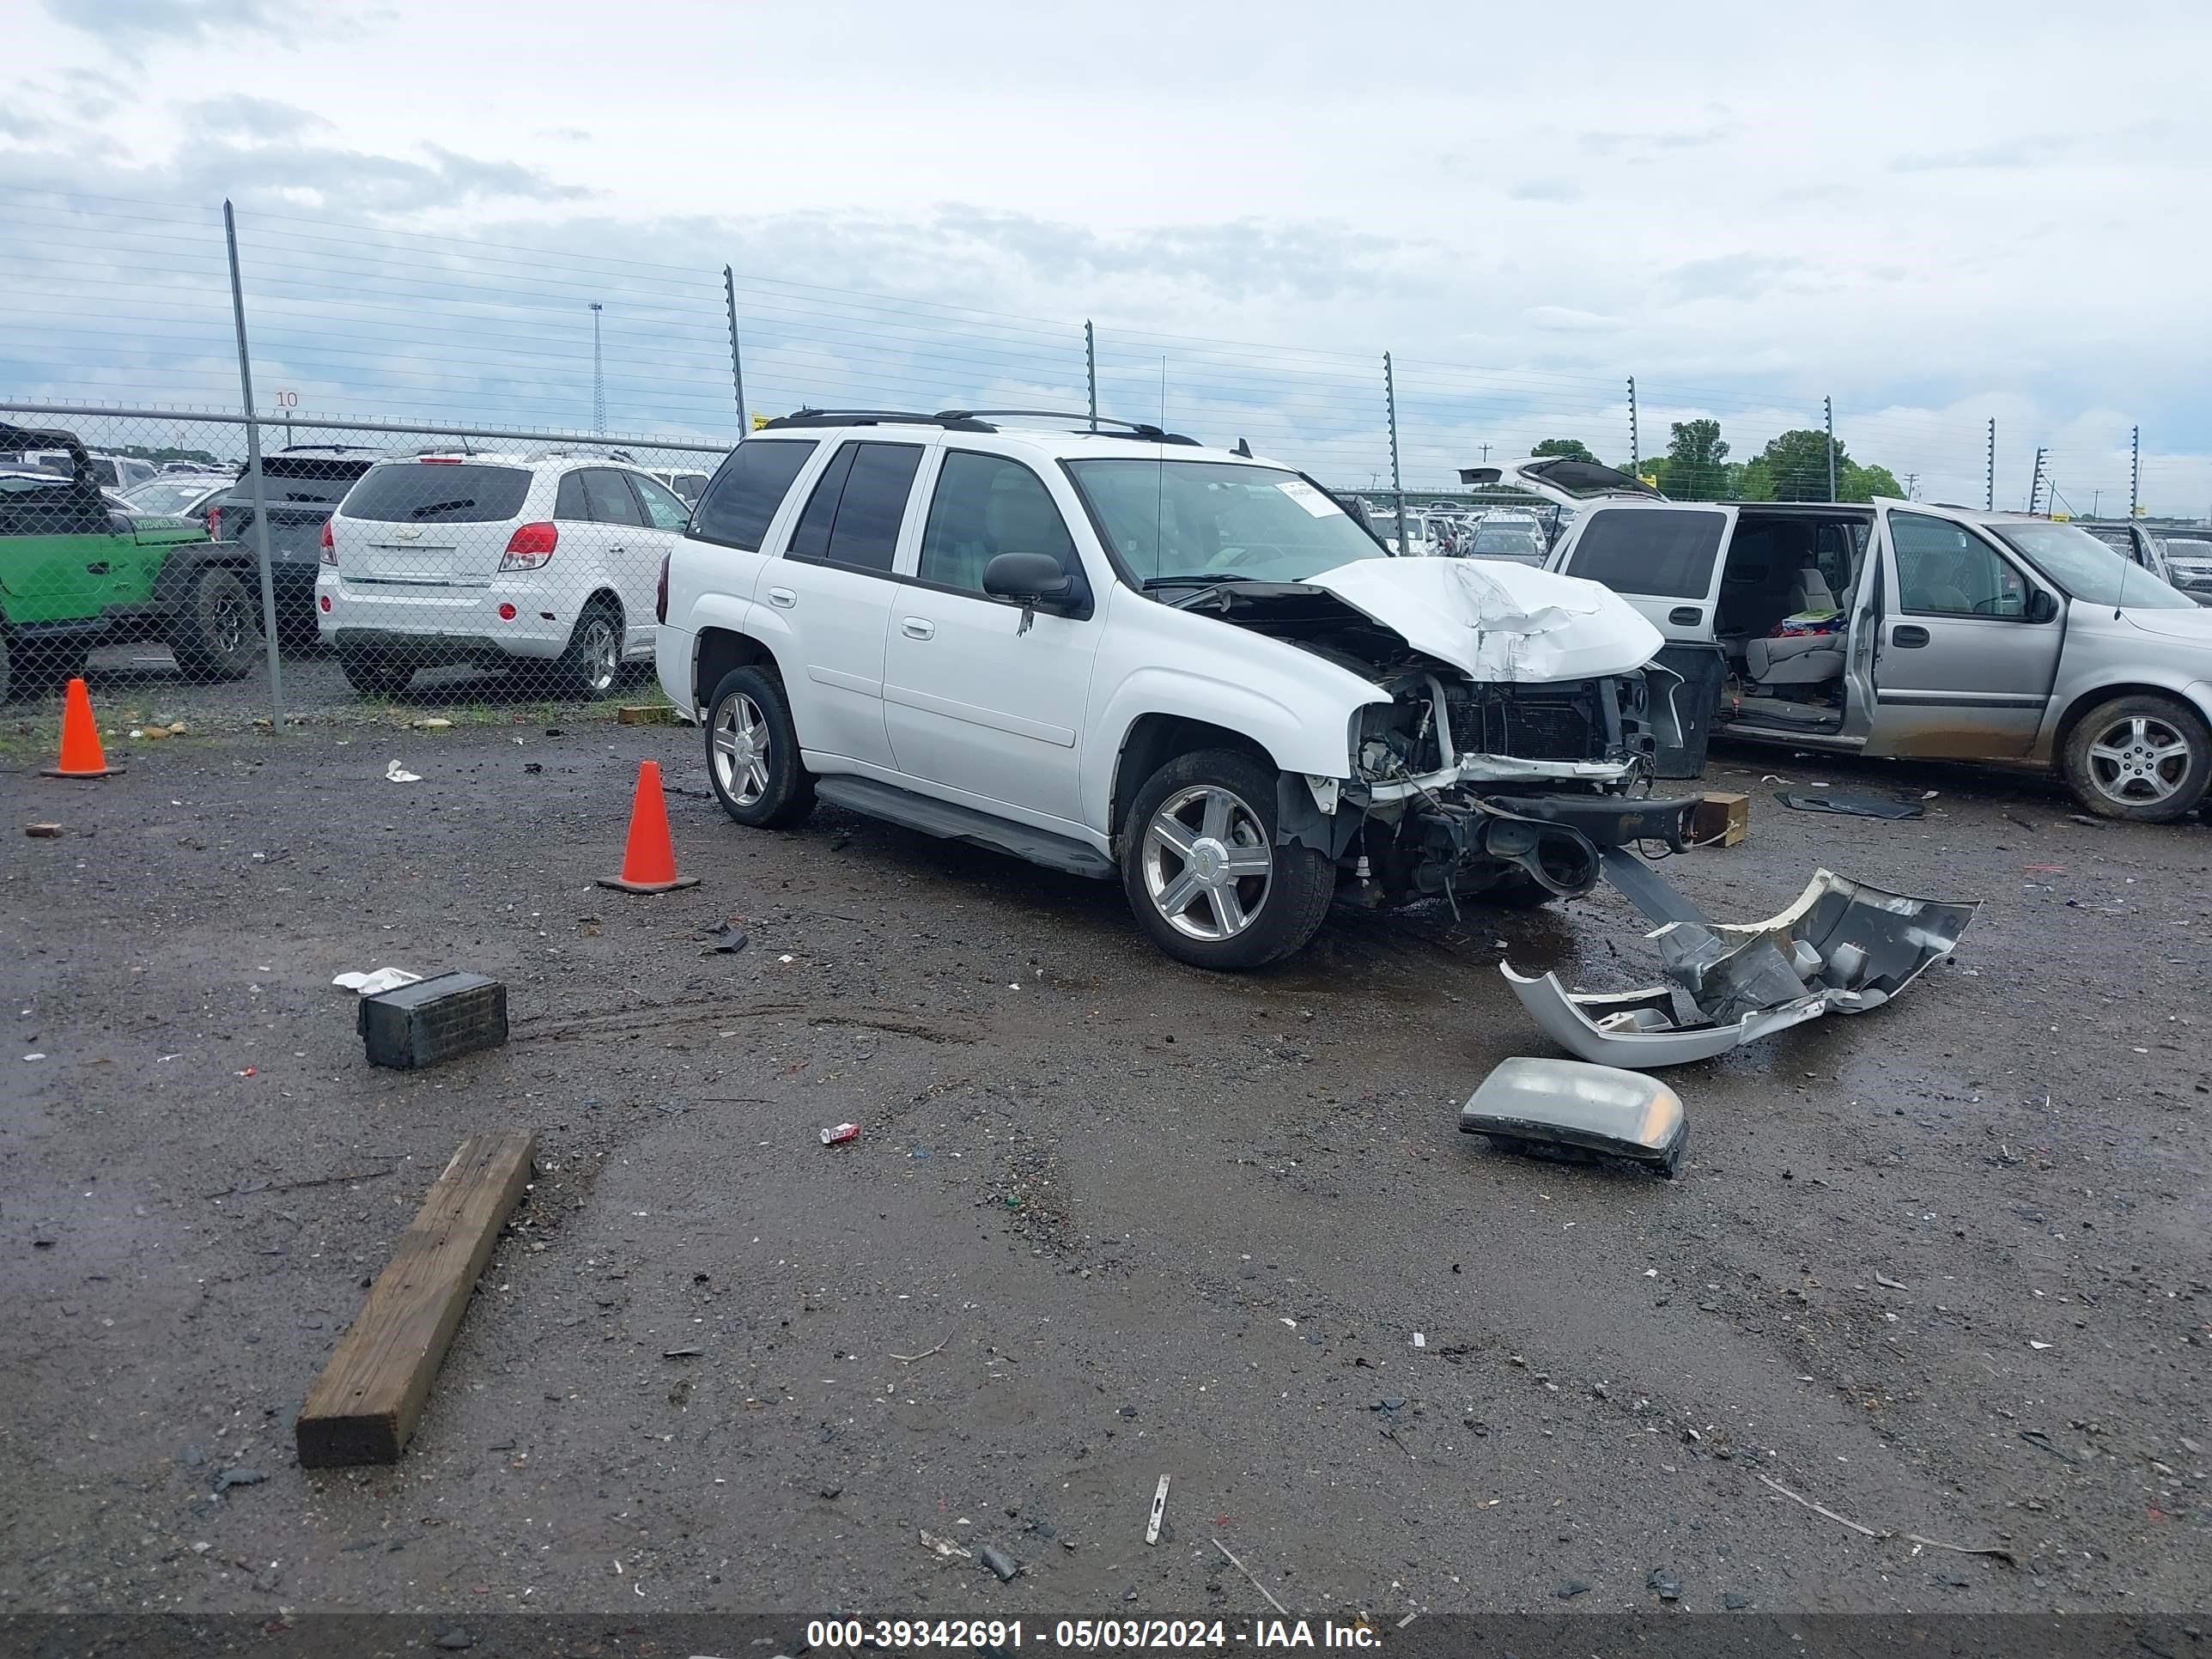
x,y
472,455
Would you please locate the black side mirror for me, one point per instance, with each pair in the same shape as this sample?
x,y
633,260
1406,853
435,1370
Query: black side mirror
x,y
1028,578
2042,606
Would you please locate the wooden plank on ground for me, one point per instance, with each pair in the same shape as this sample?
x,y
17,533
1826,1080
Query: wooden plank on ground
x,y
365,1405
649,714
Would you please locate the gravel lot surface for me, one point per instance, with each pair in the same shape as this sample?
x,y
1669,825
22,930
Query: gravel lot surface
x,y
1941,1270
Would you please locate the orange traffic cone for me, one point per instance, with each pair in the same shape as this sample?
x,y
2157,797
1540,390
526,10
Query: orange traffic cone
x,y
649,861
81,752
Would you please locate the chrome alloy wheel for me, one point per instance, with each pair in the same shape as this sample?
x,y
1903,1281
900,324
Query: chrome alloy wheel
x,y
741,750
601,651
1208,861
2139,760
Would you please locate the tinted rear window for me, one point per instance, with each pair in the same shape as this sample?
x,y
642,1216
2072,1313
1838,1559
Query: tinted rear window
x,y
314,479
436,492
744,494
868,503
1667,554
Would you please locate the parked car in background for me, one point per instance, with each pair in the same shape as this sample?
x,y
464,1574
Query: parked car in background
x,y
302,485
2174,556
2189,560
179,494
687,483
548,558
1506,533
116,472
75,573
1907,628
1121,654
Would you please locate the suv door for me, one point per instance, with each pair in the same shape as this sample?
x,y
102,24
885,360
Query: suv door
x,y
1967,652
1664,559
980,697
60,551
628,552
666,516
835,581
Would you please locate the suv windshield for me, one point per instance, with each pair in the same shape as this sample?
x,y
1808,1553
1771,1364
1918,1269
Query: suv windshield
x,y
2087,568
437,492
1209,521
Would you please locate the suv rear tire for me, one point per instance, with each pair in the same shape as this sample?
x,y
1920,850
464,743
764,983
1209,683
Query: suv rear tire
x,y
592,666
2140,758
374,673
753,752
216,634
1204,872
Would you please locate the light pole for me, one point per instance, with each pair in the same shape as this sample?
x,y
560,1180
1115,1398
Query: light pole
x,y
598,379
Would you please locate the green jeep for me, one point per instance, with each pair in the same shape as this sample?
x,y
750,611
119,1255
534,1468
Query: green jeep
x,y
76,573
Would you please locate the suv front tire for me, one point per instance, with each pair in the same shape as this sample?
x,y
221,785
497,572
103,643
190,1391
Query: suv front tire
x,y
753,752
1204,872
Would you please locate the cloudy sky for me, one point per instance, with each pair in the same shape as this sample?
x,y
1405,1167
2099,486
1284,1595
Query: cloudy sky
x,y
1934,214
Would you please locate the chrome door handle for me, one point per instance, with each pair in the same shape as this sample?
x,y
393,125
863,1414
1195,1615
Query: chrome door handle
x,y
783,596
915,628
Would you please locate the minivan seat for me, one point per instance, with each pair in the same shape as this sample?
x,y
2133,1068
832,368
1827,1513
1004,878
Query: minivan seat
x,y
1804,659
1810,591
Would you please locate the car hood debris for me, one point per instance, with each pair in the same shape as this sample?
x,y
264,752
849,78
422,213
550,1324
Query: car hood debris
x,y
1843,947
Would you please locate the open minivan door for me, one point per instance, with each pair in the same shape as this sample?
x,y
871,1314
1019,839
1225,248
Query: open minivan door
x,y
1967,642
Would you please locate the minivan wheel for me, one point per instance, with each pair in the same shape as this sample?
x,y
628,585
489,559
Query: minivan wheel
x,y
1204,872
592,662
2139,757
216,634
753,752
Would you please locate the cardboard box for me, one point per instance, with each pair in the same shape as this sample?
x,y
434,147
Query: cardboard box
x,y
1721,820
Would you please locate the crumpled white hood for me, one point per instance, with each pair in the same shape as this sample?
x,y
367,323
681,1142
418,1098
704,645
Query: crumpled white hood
x,y
1499,620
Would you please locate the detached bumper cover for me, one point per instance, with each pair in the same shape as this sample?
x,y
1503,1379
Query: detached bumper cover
x,y
1843,947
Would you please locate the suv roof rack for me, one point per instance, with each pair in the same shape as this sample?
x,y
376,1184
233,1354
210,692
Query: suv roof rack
x,y
567,451
802,417
972,420
1082,419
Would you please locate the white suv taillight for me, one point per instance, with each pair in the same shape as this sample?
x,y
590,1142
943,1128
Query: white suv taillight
x,y
330,554
530,547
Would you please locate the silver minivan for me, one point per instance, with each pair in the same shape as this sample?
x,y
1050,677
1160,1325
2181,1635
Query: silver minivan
x,y
1908,629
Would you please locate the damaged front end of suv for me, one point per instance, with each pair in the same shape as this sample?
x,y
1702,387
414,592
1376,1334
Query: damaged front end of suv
x,y
1513,743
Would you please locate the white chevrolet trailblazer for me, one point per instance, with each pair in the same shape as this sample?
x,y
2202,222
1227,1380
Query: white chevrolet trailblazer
x,y
1125,655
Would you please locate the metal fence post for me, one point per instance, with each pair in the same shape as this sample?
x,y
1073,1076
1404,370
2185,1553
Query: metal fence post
x,y
253,470
737,357
1635,441
1828,420
1397,484
1091,368
1989,477
2135,471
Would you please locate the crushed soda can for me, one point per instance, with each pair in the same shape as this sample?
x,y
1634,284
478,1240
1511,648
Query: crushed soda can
x,y
841,1135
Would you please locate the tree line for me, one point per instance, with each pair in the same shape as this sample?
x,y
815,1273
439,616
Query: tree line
x,y
1793,467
